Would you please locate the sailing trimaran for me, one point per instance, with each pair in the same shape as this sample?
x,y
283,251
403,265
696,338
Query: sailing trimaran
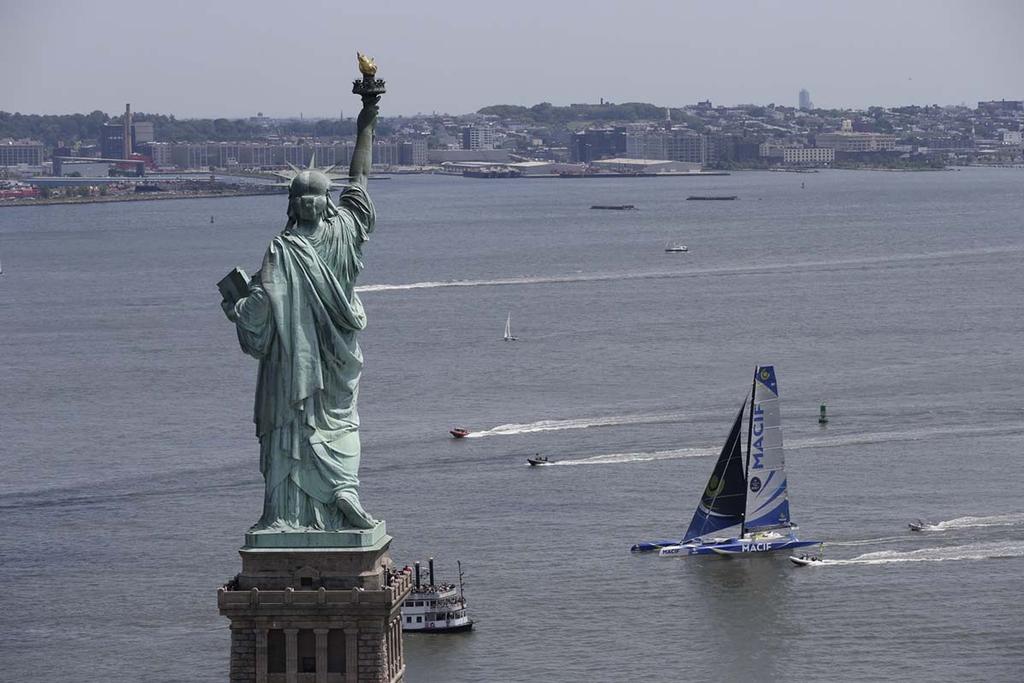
x,y
755,499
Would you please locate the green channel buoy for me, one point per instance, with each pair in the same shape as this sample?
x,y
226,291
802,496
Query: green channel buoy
x,y
822,417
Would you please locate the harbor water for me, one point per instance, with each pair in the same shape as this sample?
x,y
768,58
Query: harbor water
x,y
130,465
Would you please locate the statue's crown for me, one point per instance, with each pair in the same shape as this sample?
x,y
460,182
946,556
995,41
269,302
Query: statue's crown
x,y
309,182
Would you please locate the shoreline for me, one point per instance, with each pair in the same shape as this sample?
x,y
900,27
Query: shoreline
x,y
127,198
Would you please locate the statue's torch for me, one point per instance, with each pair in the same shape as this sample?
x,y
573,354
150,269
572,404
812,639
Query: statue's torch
x,y
369,86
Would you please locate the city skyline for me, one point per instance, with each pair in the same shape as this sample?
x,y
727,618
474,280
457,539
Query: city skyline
x,y
454,57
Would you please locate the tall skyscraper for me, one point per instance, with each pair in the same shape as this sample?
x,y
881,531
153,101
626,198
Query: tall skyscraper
x,y
805,100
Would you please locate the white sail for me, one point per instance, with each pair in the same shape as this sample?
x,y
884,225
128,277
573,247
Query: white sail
x,y
767,498
508,329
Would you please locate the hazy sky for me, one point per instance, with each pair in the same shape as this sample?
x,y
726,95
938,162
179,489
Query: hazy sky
x,y
233,58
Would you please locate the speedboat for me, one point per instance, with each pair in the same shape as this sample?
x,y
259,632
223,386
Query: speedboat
x,y
804,560
538,460
676,248
459,432
918,525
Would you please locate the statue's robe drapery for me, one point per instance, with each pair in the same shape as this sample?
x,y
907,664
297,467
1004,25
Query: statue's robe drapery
x,y
301,321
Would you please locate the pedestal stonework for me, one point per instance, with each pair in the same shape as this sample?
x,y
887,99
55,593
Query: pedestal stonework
x,y
302,611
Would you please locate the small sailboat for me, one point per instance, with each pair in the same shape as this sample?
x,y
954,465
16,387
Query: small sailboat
x,y
508,330
754,498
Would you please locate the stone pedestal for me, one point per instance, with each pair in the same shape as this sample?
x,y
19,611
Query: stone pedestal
x,y
316,607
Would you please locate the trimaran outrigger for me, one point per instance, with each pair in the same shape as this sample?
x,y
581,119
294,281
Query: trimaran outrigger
x,y
753,498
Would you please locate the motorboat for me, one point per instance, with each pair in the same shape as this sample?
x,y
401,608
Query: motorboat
x,y
538,460
459,432
676,248
753,498
804,560
919,525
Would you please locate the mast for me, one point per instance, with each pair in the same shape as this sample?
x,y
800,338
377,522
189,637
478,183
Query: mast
x,y
750,433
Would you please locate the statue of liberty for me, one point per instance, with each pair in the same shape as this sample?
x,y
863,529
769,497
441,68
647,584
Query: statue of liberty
x,y
300,316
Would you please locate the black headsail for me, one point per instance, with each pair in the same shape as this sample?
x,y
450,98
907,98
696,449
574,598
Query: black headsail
x,y
725,497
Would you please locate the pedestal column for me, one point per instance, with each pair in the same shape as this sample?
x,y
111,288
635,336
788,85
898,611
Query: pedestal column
x,y
321,654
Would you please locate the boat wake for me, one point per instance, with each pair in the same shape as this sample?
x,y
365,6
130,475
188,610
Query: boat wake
x,y
794,444
869,541
904,435
978,551
514,428
618,458
1012,519
582,423
660,274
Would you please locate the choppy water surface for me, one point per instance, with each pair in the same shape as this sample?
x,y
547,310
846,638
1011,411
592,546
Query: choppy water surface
x,y
130,467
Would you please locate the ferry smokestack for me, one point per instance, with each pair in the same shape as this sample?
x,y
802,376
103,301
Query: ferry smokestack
x,y
417,575
126,149
431,561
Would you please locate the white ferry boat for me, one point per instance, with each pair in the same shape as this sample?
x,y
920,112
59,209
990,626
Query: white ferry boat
x,y
435,608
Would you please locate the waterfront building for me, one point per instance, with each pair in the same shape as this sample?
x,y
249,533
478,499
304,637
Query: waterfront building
x,y
477,137
646,144
849,141
142,132
678,144
327,154
190,155
808,155
598,143
771,150
685,145
112,141
413,153
249,154
387,153
805,101
112,144
719,148
20,152
159,153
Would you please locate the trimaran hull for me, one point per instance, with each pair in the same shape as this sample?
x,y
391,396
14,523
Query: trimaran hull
x,y
736,546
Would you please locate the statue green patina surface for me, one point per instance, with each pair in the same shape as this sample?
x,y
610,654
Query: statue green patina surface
x,y
300,317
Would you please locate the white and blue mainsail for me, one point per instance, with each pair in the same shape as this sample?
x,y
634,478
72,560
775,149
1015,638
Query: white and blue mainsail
x,y
722,503
767,501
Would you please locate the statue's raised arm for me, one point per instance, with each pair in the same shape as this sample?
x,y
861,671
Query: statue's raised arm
x,y
370,89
